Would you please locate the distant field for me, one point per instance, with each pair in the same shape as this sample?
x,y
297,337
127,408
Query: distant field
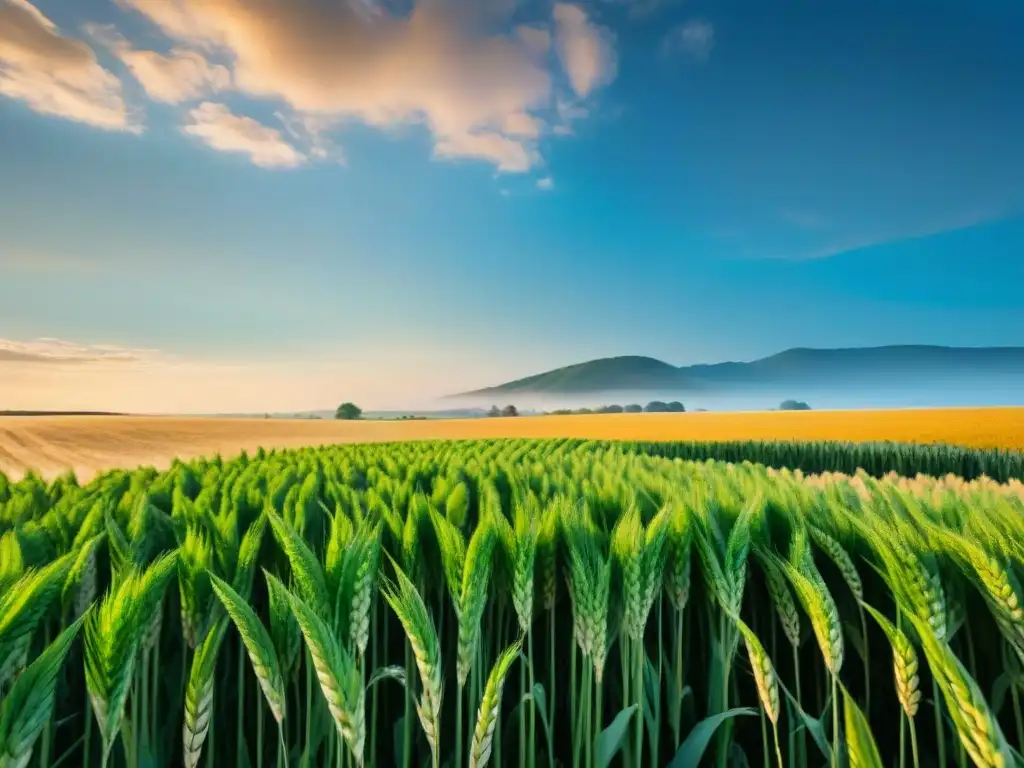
x,y
87,444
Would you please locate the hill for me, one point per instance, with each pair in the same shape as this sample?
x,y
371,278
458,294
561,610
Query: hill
x,y
798,368
609,374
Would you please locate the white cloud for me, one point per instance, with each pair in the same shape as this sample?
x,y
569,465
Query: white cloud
x,y
221,129
439,65
313,131
568,112
183,75
694,38
523,124
54,74
586,50
546,183
509,154
536,39
50,351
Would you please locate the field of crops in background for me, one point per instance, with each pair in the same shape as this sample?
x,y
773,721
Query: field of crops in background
x,y
517,603
89,444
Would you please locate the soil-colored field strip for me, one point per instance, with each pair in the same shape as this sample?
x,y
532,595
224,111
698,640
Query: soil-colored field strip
x,y
88,444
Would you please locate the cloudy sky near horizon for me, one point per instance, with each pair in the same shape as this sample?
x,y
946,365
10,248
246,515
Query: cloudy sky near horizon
x,y
253,205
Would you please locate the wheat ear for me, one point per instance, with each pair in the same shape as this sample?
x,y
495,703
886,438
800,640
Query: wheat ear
x,y
338,673
29,704
490,707
22,606
976,725
258,644
764,672
861,750
113,634
905,663
306,570
821,609
199,693
411,611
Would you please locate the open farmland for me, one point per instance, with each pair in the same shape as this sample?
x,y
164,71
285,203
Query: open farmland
x,y
509,603
88,444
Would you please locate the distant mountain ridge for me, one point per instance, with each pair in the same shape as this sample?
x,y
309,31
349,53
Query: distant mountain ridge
x,y
897,365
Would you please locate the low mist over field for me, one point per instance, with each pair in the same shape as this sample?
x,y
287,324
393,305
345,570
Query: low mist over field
x,y
883,377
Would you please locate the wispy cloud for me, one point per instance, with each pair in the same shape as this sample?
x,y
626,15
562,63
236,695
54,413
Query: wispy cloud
x,y
55,351
836,241
546,183
55,74
221,129
694,38
181,75
314,132
586,50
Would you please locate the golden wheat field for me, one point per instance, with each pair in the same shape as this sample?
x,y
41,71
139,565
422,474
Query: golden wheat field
x,y
88,444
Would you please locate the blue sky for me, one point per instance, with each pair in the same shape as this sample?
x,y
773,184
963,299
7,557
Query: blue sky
x,y
211,203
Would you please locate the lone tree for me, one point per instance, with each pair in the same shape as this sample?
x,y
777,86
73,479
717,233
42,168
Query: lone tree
x,y
494,412
509,410
675,407
348,412
794,405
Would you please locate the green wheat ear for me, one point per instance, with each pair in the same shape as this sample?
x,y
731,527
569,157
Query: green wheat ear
x,y
764,671
976,725
248,556
490,707
28,706
79,587
258,644
21,608
862,752
340,679
412,613
306,569
199,693
113,634
12,563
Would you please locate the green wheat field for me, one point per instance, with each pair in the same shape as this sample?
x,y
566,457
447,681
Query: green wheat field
x,y
519,603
